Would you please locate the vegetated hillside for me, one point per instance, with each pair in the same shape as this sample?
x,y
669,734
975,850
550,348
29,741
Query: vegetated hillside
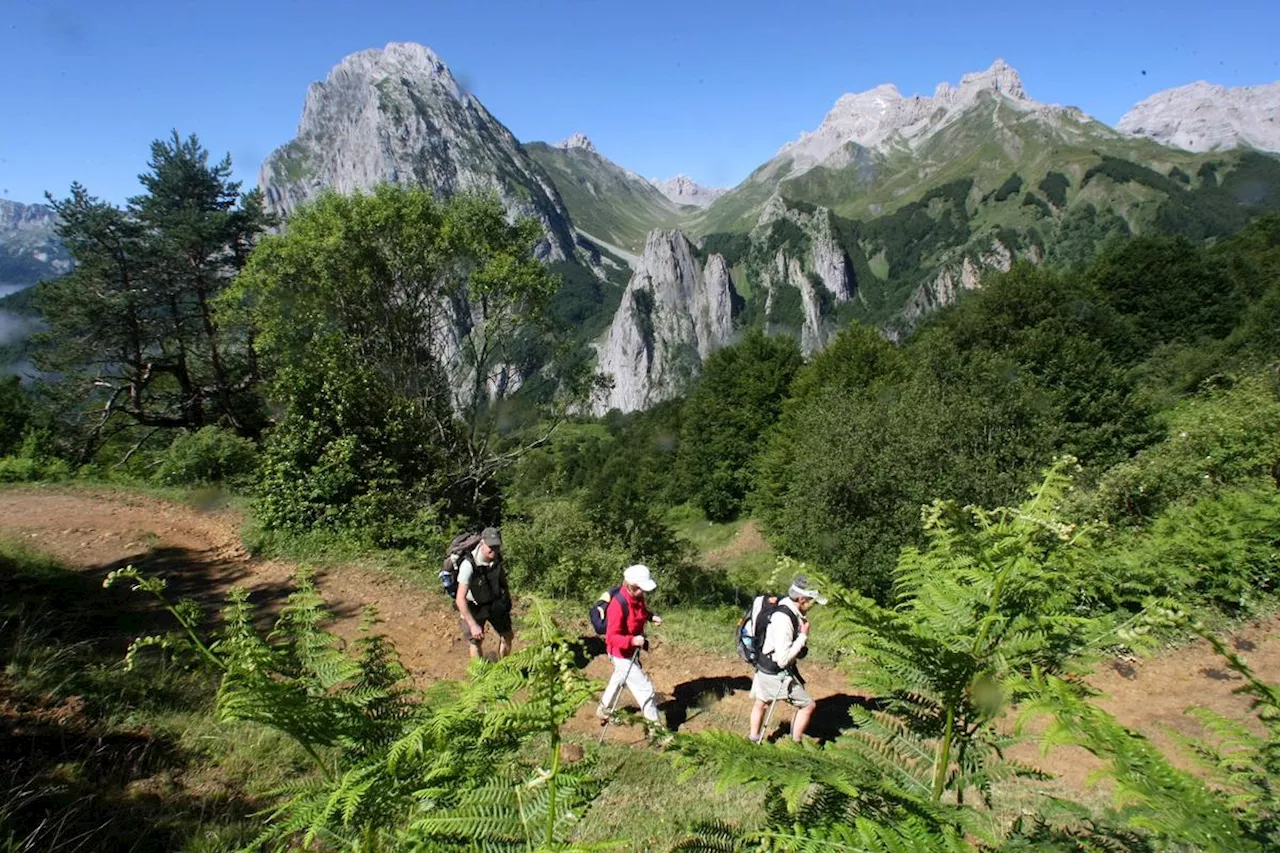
x,y
923,246
606,201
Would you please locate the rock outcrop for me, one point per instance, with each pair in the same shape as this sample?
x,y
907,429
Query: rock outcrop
x,y
808,258
1203,117
682,189
398,115
955,279
578,141
675,312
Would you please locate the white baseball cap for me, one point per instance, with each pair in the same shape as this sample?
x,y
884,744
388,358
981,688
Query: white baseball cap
x,y
640,576
801,588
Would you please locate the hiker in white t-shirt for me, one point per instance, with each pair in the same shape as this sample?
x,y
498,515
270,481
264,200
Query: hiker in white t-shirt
x,y
483,594
777,677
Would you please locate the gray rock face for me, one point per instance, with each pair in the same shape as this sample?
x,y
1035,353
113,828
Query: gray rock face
x,y
674,313
398,115
1202,117
29,246
882,119
577,141
955,279
682,189
823,259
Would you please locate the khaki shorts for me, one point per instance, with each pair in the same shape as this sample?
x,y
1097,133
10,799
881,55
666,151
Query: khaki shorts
x,y
782,686
499,617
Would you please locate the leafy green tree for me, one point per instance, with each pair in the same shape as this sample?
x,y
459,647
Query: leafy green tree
x,y
844,475
1062,331
1169,289
132,328
391,324
738,398
14,414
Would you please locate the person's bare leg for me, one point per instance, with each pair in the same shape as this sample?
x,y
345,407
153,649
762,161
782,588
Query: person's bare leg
x,y
476,651
757,718
801,722
504,644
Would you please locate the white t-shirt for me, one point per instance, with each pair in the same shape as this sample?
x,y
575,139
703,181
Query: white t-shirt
x,y
781,642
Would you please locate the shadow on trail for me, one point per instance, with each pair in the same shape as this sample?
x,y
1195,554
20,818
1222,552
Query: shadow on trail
x,y
833,715
586,649
204,577
700,693
74,776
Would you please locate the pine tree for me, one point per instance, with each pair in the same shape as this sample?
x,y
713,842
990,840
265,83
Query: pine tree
x,y
133,325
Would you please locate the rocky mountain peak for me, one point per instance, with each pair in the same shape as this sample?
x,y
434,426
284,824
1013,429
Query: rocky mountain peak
x,y
577,140
397,114
882,118
1205,117
683,189
674,312
1000,77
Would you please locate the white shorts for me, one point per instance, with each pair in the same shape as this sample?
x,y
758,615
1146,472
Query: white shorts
x,y
766,687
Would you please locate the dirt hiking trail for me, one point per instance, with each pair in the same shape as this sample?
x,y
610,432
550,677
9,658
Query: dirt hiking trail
x,y
200,553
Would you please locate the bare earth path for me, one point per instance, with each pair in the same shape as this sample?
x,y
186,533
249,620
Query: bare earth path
x,y
200,553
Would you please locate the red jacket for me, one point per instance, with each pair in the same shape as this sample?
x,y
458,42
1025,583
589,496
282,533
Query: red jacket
x,y
617,636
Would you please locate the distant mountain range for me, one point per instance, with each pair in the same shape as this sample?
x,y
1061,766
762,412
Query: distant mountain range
x,y
29,246
892,206
1201,117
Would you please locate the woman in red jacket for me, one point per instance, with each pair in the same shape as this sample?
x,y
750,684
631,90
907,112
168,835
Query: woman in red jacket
x,y
625,619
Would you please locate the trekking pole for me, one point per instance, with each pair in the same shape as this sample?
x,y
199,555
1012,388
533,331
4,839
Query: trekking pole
x,y
604,727
764,728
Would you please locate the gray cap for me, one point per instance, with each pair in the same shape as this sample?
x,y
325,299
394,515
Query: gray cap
x,y
492,537
800,588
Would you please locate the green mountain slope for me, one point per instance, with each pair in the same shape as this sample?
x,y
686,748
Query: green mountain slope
x,y
605,200
920,223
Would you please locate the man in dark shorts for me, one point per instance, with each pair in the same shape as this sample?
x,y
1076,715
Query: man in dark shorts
x,y
483,595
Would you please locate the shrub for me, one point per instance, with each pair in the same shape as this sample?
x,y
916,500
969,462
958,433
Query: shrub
x,y
558,548
34,461
209,455
1220,437
558,551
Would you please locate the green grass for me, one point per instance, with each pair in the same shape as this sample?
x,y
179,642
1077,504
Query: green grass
x,y
107,758
690,523
648,805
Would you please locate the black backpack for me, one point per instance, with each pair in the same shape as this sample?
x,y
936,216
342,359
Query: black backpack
x,y
600,608
752,627
459,548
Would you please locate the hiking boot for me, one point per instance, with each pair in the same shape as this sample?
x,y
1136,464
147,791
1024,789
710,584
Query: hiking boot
x,y
661,737
602,715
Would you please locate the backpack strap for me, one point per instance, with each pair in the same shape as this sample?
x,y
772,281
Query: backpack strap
x,y
622,606
765,663
486,581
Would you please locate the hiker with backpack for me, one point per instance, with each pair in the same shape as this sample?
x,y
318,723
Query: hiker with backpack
x,y
473,568
780,632
625,618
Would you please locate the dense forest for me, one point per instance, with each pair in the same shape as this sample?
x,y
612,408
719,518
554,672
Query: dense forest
x,y
1073,461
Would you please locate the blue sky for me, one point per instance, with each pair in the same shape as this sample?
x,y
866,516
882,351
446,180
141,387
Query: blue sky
x,y
711,89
